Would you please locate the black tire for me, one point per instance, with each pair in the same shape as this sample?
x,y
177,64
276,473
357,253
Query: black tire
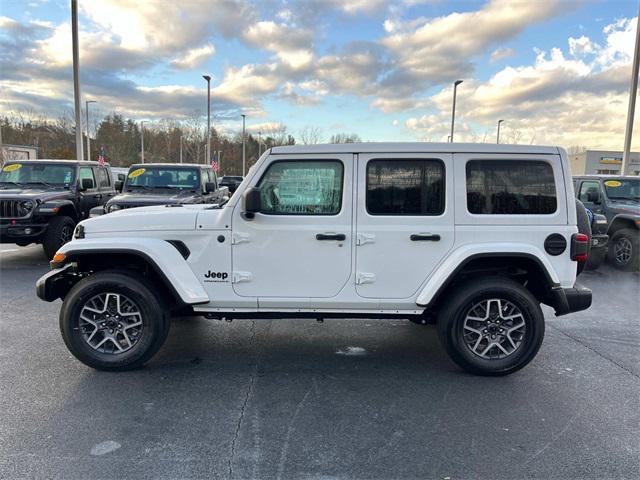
x,y
59,231
454,311
596,258
627,238
154,318
584,226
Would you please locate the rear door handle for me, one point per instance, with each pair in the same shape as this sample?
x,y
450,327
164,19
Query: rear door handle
x,y
425,237
97,196
331,236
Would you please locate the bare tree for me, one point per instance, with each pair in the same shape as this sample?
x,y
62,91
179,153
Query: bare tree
x,y
345,138
310,135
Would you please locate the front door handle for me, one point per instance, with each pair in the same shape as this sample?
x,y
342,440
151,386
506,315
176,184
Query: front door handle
x,y
425,237
97,196
331,236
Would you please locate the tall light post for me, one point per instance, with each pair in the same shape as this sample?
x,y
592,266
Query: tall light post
x,y
208,79
633,91
76,78
259,144
243,144
142,140
453,109
86,111
180,148
498,135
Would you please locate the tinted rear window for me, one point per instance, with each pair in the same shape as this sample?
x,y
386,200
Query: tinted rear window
x,y
505,187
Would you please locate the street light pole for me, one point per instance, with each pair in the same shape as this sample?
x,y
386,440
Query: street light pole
x,y
180,148
453,109
259,144
86,111
208,79
498,135
76,78
632,102
142,140
243,144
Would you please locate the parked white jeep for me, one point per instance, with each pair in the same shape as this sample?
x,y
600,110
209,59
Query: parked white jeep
x,y
470,237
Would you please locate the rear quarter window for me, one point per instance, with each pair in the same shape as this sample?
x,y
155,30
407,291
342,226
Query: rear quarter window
x,y
510,187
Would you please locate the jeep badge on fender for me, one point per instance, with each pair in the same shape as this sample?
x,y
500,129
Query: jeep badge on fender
x,y
366,230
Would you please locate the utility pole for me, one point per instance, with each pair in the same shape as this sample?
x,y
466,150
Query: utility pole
x,y
142,140
180,148
208,79
76,78
633,92
259,144
498,135
453,109
86,111
243,144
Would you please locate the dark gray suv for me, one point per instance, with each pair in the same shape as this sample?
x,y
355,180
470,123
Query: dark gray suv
x,y
618,199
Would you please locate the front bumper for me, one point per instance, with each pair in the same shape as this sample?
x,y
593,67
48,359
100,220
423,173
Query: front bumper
x,y
21,232
56,283
569,300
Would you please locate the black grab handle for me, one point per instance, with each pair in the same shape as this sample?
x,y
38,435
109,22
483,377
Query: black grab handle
x,y
426,237
331,236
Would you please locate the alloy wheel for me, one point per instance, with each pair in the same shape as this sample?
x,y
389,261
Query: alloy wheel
x,y
623,250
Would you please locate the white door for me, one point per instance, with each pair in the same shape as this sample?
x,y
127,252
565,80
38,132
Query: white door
x,y
404,221
300,244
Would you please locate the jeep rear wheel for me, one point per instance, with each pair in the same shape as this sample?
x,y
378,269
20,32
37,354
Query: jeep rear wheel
x,y
491,327
624,249
113,321
59,231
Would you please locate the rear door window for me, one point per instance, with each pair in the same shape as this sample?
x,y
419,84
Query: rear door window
x,y
510,187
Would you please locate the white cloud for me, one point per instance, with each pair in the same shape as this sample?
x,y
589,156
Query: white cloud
x,y
501,54
194,57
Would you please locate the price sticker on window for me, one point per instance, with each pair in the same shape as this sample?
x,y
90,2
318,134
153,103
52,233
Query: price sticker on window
x,y
137,172
12,168
612,183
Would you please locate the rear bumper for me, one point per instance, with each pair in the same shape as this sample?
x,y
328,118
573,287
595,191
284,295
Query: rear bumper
x,y
599,241
569,300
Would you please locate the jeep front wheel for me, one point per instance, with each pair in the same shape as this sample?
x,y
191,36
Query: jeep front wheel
x,y
624,249
113,321
59,231
491,327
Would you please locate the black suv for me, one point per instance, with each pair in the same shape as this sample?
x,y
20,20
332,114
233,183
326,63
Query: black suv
x,y
231,181
165,184
42,200
618,199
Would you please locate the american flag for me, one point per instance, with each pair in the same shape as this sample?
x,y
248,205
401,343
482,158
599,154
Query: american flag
x,y
214,163
101,156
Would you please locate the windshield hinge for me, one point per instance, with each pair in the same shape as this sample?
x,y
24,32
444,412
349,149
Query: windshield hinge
x,y
237,238
239,277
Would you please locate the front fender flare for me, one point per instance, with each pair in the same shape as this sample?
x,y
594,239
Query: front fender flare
x,y
161,255
445,272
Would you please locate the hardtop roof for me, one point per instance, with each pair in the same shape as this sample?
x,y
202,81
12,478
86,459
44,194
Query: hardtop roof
x,y
415,147
168,164
64,162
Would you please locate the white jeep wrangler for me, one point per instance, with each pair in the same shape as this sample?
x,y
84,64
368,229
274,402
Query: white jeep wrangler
x,y
470,237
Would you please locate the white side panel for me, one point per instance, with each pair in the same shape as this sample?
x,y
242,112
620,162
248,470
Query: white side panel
x,y
165,255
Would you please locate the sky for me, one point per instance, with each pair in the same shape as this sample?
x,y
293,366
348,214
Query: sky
x,y
556,71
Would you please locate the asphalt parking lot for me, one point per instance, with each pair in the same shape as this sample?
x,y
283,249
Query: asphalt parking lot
x,y
297,399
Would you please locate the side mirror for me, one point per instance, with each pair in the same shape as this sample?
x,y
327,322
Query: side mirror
x,y
252,202
209,187
86,184
593,197
118,185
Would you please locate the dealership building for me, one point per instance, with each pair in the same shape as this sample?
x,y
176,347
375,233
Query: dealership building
x,y
17,152
603,162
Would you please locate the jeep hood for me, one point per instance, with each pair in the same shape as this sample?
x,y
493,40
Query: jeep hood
x,y
142,198
145,219
42,194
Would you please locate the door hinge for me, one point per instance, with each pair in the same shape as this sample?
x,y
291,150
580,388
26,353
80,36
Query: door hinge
x,y
363,277
239,277
237,237
364,238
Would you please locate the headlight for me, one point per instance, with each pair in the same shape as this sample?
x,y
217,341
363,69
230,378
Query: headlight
x,y
26,207
113,207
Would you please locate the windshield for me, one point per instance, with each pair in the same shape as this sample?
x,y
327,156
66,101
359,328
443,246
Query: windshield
x,y
163,177
37,173
623,189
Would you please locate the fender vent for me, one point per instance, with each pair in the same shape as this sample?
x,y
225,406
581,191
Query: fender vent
x,y
555,244
181,247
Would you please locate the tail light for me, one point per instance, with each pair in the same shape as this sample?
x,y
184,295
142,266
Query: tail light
x,y
579,247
